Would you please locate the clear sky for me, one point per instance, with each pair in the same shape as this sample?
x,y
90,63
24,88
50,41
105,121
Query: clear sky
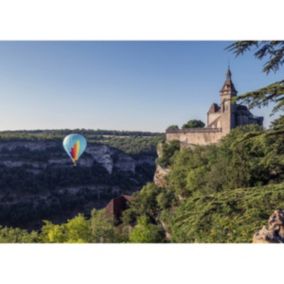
x,y
117,85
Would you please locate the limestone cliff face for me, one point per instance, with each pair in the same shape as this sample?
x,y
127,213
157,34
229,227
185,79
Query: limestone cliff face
x,y
160,176
38,180
274,231
107,157
160,172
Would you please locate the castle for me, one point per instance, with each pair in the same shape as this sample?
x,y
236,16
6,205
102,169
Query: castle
x,y
220,119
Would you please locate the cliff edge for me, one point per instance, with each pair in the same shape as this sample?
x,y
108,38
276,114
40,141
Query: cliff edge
x,y
274,231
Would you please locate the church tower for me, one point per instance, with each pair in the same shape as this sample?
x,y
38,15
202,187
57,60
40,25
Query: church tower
x,y
228,107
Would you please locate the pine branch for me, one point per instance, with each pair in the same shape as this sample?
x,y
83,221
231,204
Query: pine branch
x,y
261,97
272,51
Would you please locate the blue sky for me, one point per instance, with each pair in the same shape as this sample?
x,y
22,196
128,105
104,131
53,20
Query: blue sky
x,y
118,85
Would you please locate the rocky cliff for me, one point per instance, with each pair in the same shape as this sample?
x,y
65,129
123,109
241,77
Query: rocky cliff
x,y
273,232
160,176
38,180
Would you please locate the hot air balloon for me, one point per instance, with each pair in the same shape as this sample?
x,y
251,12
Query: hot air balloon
x,y
74,145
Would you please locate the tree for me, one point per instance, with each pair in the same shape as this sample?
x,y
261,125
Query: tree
x,y
273,53
78,230
52,233
194,123
168,149
102,227
172,127
145,232
17,235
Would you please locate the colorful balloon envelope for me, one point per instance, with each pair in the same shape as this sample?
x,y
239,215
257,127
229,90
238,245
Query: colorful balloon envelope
x,y
74,145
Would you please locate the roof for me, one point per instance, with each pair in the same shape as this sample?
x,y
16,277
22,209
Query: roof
x,y
213,108
117,205
228,84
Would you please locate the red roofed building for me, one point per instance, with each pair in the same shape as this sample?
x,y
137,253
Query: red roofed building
x,y
117,205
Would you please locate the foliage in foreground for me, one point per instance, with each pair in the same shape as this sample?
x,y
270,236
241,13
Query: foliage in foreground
x,y
273,54
231,217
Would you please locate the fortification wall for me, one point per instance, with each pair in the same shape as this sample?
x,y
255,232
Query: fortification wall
x,y
203,136
212,116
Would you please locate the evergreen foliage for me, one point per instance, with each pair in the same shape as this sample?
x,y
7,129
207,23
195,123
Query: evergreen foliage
x,y
273,54
225,217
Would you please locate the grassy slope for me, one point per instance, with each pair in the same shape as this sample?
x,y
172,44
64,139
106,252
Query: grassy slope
x,y
231,216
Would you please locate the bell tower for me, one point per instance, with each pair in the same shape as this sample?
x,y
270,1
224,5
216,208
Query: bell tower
x,y
228,106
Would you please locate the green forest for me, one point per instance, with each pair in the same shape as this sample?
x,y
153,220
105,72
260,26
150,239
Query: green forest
x,y
216,193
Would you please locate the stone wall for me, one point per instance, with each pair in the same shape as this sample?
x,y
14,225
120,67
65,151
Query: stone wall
x,y
212,117
203,136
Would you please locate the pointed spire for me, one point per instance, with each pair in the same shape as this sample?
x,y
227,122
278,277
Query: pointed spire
x,y
229,73
228,86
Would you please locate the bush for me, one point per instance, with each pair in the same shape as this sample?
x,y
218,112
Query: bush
x,y
172,127
17,235
103,229
76,230
145,232
193,124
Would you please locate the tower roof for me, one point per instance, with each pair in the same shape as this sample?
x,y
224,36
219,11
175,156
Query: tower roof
x,y
213,108
228,84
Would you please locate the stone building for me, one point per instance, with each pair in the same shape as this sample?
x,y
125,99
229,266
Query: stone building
x,y
221,118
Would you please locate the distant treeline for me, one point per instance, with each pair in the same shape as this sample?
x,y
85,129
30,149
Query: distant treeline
x,y
131,142
62,132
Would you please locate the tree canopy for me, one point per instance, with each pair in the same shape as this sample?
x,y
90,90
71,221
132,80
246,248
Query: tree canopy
x,y
194,123
273,54
172,127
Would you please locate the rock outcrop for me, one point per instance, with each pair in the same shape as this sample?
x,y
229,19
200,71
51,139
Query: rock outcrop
x,y
160,176
40,154
274,231
161,172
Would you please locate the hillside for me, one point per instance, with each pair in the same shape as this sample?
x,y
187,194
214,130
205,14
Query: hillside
x,y
38,181
232,217
219,193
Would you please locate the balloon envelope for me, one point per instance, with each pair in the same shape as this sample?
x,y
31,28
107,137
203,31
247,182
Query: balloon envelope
x,y
74,145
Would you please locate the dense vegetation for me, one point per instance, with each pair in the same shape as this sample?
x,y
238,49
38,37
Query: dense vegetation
x,y
216,193
233,216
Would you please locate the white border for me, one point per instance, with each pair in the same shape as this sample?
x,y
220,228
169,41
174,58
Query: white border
x,y
140,20
140,264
